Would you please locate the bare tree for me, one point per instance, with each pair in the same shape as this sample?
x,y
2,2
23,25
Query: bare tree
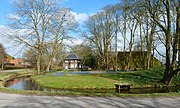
x,y
127,22
132,26
2,54
125,11
101,31
63,22
160,13
29,56
37,22
33,18
86,54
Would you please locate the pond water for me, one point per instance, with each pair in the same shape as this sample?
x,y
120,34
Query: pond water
x,y
28,84
80,72
86,72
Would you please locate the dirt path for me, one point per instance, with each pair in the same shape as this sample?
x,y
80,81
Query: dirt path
x,y
31,101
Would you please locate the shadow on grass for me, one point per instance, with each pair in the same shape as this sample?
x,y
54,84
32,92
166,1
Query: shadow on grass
x,y
146,77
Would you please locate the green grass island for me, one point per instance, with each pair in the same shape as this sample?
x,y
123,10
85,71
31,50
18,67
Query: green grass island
x,y
85,84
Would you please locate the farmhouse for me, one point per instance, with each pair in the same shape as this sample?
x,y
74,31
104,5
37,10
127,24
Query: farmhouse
x,y
138,59
72,61
13,62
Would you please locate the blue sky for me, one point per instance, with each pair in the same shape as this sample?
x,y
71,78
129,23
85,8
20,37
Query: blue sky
x,y
5,8
81,9
88,6
78,6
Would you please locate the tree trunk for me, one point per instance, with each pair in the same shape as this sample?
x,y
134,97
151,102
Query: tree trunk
x,y
141,39
2,67
49,65
132,31
124,61
149,46
178,31
167,78
39,56
38,63
152,58
52,54
130,50
116,34
147,41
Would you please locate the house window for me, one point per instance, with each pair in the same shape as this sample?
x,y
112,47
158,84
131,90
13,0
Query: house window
x,y
72,65
75,65
66,67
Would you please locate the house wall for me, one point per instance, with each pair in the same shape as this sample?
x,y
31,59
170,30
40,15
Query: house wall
x,y
72,64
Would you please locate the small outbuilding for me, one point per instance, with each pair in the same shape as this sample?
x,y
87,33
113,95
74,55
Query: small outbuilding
x,y
72,61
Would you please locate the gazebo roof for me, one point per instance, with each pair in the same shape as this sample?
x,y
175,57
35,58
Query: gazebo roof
x,y
72,56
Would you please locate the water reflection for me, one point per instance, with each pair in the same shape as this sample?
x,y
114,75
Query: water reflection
x,y
22,84
28,84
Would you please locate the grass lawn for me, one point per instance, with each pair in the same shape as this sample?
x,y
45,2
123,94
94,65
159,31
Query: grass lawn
x,y
144,78
75,81
4,75
91,82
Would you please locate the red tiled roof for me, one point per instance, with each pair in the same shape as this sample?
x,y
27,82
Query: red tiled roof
x,y
13,61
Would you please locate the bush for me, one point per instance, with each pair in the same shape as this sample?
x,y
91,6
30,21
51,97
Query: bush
x,y
15,67
59,69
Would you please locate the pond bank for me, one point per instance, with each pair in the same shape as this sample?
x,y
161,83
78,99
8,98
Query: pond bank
x,y
78,93
141,81
6,76
137,79
25,83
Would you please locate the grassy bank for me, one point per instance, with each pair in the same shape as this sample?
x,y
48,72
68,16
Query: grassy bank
x,y
143,78
6,75
67,93
137,79
100,81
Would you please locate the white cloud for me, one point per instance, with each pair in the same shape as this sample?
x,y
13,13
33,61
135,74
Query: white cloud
x,y
3,29
80,17
11,46
13,16
73,42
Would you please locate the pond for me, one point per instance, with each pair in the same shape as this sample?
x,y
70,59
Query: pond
x,y
86,72
27,83
80,72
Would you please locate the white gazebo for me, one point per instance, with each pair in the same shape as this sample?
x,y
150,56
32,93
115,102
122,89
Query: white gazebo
x,y
72,61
